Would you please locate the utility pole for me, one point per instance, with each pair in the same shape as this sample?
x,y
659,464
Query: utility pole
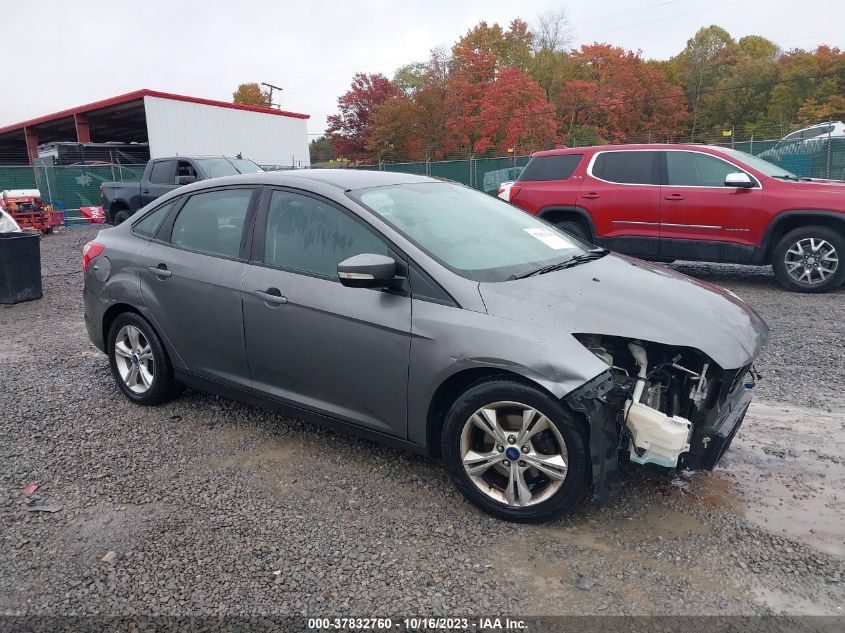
x,y
272,88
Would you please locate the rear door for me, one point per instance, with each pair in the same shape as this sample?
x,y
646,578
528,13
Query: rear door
x,y
311,341
191,277
700,217
547,182
162,179
621,191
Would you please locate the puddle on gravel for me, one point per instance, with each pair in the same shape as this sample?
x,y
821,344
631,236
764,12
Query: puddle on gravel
x,y
786,473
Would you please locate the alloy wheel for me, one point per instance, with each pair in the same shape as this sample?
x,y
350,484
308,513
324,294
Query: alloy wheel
x,y
513,454
811,260
134,358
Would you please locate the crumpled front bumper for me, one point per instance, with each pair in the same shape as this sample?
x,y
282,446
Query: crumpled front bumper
x,y
606,433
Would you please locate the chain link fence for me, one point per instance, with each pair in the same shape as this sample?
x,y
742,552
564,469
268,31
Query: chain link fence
x,y
68,188
814,158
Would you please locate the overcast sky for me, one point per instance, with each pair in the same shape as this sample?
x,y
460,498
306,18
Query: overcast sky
x,y
60,54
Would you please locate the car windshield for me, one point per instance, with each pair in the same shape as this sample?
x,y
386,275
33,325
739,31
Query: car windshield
x,y
476,235
245,166
217,167
763,166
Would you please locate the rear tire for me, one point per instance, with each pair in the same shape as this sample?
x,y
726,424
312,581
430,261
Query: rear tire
x,y
810,259
575,228
533,428
139,363
120,216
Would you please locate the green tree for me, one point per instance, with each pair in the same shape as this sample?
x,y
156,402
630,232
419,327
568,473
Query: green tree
x,y
320,150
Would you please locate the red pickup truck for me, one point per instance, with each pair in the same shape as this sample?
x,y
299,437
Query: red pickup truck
x,y
692,202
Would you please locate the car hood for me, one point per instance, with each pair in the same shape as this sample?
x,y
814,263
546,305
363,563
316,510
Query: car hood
x,y
623,296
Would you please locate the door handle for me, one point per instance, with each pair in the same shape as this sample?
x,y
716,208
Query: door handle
x,y
592,195
160,270
674,196
145,191
271,296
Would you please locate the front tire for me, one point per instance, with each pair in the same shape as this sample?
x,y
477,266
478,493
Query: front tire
x,y
515,452
139,364
809,259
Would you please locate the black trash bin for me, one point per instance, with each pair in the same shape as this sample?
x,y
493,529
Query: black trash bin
x,y
20,267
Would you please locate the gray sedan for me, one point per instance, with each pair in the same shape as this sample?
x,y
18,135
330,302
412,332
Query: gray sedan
x,y
430,316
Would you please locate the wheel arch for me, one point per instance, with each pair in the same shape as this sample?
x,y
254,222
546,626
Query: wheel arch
x,y
114,207
453,386
115,311
557,214
791,220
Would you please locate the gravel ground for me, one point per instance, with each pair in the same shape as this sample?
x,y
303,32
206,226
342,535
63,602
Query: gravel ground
x,y
206,506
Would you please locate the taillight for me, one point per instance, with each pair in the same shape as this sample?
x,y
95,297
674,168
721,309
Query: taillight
x,y
514,192
91,251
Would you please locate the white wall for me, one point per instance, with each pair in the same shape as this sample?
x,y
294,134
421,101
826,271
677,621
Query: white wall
x,y
184,128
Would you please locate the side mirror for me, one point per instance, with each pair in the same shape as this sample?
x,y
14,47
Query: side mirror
x,y
367,271
739,179
185,180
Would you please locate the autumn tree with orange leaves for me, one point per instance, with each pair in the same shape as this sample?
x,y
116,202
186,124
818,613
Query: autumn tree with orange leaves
x,y
517,87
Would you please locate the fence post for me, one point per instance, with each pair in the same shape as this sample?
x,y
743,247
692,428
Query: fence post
x,y
751,146
428,167
829,146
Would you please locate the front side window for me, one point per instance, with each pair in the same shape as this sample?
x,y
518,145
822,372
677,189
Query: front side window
x,y
212,222
478,236
627,167
550,167
148,226
691,169
162,172
307,235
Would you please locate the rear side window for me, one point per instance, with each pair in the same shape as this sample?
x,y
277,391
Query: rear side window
x,y
162,172
627,167
550,167
212,222
148,226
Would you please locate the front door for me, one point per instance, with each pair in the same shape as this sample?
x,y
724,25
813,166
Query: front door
x,y
700,217
161,180
191,284
311,341
621,191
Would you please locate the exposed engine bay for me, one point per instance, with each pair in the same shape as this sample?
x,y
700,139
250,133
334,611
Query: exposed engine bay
x,y
664,405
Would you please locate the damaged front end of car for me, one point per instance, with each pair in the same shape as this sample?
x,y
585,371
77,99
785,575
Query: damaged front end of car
x,y
657,404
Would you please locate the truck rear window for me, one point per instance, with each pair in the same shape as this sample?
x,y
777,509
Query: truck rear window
x,y
550,167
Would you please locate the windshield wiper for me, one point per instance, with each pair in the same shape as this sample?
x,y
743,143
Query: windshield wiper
x,y
587,256
788,177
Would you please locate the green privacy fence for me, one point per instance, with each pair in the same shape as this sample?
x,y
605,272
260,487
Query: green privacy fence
x,y
480,173
71,187
68,188
815,158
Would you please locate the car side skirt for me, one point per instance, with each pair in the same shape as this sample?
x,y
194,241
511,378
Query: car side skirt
x,y
207,385
692,250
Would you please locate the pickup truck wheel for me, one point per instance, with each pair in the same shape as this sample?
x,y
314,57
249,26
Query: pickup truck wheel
x,y
810,259
121,216
576,228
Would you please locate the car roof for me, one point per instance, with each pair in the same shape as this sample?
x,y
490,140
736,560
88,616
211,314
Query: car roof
x,y
343,179
631,147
